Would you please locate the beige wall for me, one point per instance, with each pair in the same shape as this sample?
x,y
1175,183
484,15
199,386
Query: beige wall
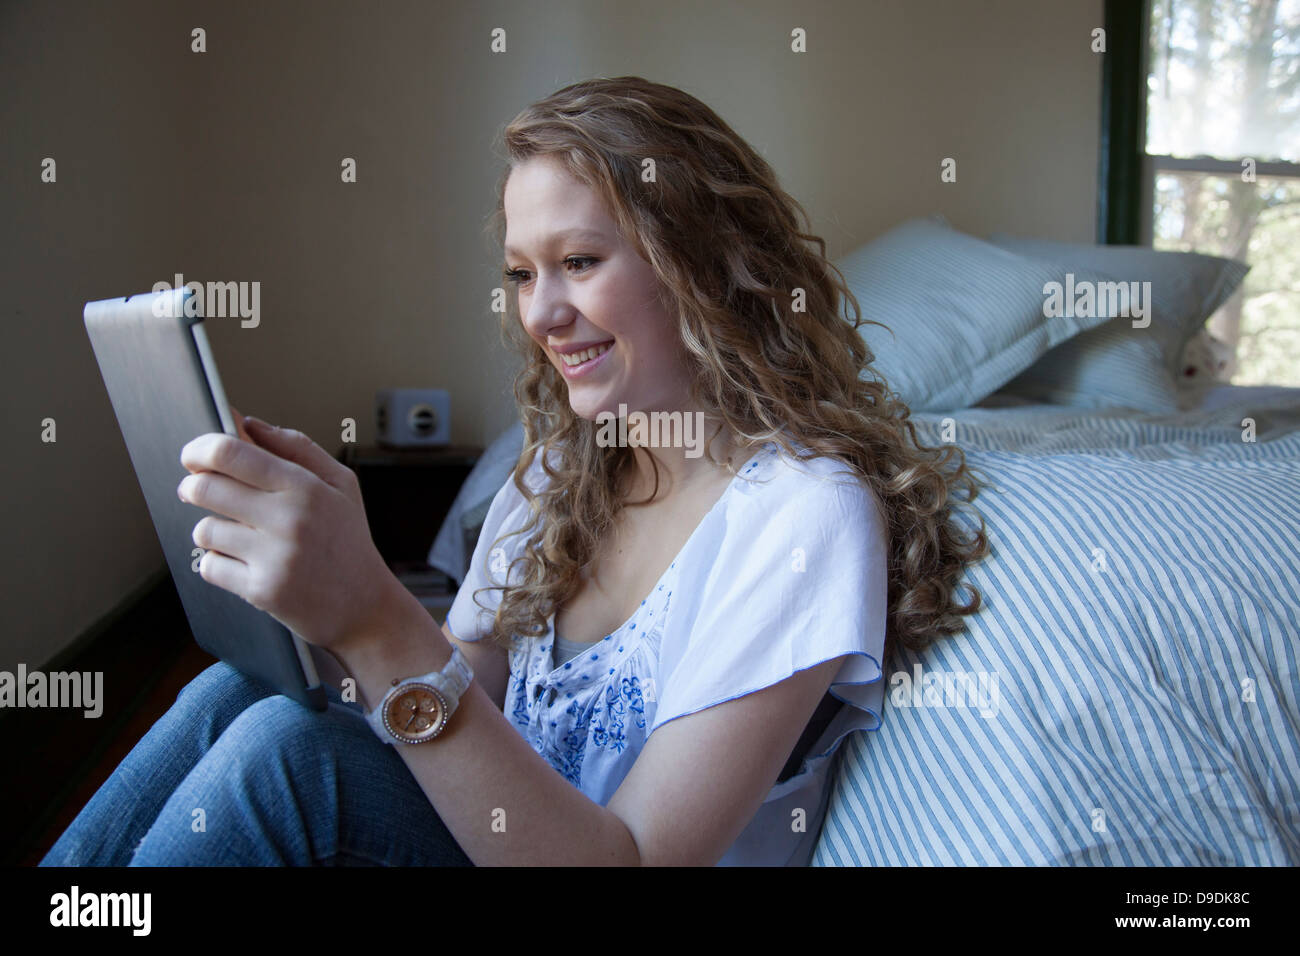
x,y
225,166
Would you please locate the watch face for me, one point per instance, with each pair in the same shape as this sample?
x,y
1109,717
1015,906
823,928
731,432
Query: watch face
x,y
415,714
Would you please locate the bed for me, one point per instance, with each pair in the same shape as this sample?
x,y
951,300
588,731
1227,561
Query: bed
x,y
1129,692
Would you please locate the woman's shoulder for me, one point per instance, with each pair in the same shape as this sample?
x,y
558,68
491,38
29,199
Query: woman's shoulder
x,y
798,479
773,478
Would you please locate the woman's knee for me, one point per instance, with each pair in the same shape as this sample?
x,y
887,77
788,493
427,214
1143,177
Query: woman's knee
x,y
281,731
358,803
287,784
220,682
204,708
224,682
330,760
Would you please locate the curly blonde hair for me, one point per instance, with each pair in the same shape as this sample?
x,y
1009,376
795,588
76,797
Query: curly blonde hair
x,y
728,247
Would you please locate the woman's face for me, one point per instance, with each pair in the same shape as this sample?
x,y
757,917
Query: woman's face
x,y
581,285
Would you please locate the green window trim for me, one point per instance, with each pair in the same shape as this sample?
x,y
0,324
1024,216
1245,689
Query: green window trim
x,y
1123,121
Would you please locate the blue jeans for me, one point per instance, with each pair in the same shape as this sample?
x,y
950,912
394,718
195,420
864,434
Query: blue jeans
x,y
237,775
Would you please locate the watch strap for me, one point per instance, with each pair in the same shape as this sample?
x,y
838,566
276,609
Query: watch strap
x,y
457,673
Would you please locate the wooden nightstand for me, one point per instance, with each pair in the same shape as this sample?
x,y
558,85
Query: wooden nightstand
x,y
407,494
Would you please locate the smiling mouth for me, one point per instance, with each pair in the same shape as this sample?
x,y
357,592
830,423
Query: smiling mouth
x,y
574,359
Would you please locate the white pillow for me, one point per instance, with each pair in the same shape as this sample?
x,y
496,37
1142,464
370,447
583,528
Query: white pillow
x,y
966,316
1116,364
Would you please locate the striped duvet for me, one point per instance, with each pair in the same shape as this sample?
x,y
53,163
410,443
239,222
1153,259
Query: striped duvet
x,y
1129,692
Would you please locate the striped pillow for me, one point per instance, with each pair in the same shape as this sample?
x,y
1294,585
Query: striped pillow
x,y
1136,652
963,316
1116,364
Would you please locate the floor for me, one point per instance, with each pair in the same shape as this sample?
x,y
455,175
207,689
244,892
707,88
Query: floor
x,y
145,657
190,660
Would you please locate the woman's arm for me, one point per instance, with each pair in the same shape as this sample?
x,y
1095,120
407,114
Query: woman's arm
x,y
695,786
488,661
293,540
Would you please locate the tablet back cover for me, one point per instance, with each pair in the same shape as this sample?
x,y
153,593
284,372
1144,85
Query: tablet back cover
x,y
155,380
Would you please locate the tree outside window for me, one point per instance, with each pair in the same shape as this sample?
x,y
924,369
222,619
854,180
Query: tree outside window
x,y
1222,137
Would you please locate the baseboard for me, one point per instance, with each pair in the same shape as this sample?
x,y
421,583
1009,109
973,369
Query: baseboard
x,y
50,751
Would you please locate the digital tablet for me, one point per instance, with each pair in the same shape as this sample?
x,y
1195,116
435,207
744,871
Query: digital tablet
x,y
158,368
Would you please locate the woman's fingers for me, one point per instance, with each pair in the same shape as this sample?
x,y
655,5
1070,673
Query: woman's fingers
x,y
225,572
296,447
227,496
232,538
257,467
240,428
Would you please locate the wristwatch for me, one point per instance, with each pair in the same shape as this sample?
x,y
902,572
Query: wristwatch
x,y
418,708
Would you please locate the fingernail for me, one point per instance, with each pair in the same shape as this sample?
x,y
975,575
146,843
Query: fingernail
x,y
250,420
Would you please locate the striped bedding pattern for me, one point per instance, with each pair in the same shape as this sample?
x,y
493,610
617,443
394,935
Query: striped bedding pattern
x,y
1129,693
1111,365
961,316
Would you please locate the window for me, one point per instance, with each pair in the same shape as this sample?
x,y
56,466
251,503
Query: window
x,y
1218,161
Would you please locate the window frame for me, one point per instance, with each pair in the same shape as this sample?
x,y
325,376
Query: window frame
x,y
1126,171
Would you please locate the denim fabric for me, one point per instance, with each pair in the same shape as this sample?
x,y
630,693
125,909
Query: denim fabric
x,y
278,784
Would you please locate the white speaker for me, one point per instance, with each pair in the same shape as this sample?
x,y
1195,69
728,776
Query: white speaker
x,y
413,417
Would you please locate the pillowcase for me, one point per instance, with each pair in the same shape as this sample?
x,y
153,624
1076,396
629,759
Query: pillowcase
x,y
1116,364
453,547
964,317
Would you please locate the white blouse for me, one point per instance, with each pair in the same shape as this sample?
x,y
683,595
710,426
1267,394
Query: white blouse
x,y
787,570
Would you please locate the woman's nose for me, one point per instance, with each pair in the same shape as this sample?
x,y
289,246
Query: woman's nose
x,y
547,308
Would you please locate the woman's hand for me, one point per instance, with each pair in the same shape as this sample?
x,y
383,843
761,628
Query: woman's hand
x,y
299,545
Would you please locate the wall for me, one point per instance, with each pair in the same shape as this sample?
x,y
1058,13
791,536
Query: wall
x,y
225,165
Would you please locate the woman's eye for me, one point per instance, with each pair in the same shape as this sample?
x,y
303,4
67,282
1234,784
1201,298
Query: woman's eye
x,y
519,276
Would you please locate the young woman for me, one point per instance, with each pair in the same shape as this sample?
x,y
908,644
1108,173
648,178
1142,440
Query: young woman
x,y
665,640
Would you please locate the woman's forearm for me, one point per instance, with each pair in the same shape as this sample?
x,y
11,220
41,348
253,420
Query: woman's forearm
x,y
504,804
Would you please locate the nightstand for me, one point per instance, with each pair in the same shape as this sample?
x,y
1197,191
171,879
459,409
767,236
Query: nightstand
x,y
407,494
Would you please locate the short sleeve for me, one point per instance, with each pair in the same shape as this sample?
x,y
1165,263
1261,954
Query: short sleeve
x,y
470,620
783,587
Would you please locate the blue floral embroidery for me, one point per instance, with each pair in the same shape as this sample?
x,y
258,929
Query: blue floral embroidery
x,y
520,711
602,718
569,761
620,700
631,690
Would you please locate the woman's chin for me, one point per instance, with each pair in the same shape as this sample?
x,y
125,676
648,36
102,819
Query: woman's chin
x,y
591,410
